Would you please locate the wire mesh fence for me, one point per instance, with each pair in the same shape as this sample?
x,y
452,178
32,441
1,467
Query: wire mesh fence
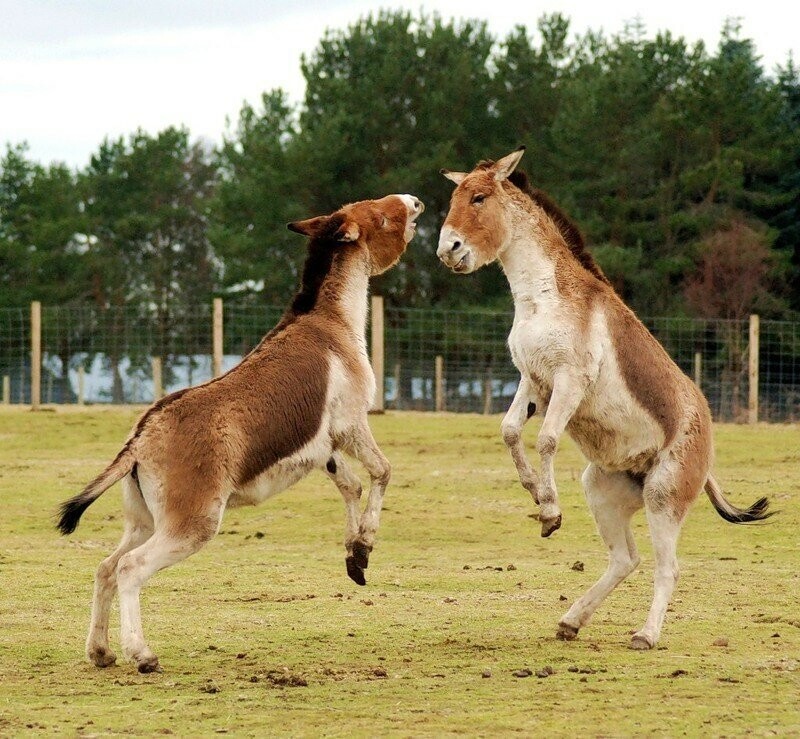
x,y
453,360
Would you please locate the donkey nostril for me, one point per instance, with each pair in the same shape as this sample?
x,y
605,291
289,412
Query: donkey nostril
x,y
456,244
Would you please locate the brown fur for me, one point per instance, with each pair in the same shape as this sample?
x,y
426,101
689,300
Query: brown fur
x,y
257,429
585,357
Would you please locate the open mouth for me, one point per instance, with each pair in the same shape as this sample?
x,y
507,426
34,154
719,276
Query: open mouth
x,y
461,264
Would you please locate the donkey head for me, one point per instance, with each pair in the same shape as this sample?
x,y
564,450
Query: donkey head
x,y
381,228
476,227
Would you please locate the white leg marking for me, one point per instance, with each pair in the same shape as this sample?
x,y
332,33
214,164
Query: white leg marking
x,y
664,531
137,566
350,487
511,428
138,528
566,397
613,499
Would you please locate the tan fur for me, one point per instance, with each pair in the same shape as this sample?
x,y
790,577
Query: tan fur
x,y
596,372
290,406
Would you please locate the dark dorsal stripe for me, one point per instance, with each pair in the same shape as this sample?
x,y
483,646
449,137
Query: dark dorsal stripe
x,y
571,233
321,252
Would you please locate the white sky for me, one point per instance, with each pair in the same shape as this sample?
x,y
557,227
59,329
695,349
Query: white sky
x,y
75,71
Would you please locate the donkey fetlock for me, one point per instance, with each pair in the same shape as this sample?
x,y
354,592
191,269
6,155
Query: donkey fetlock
x,y
101,656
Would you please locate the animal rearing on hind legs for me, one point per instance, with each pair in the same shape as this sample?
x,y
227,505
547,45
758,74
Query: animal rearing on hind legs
x,y
595,371
294,404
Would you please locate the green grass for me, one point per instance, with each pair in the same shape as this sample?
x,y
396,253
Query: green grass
x,y
268,601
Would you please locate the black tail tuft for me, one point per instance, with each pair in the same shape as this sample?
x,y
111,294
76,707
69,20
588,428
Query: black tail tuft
x,y
756,512
71,511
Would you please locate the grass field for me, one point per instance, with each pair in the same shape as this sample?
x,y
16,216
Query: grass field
x,y
262,633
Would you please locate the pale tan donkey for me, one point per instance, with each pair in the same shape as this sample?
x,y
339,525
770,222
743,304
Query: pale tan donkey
x,y
294,404
596,372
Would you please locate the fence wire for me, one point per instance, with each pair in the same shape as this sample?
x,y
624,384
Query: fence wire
x,y
106,356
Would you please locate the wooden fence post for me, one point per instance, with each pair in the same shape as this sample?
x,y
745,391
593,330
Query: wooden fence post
x,y
81,385
439,383
6,389
397,376
487,393
376,353
158,387
752,405
36,354
216,340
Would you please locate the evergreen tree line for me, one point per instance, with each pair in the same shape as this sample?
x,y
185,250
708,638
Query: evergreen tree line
x,y
681,166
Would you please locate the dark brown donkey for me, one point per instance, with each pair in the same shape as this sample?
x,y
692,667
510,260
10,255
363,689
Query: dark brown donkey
x,y
294,404
597,373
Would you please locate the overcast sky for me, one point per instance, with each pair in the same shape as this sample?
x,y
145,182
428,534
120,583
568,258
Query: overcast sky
x,y
75,71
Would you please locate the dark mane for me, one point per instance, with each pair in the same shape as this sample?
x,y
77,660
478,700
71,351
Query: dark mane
x,y
321,251
571,233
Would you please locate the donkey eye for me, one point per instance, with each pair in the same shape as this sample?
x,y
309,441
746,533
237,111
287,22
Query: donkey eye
x,y
478,199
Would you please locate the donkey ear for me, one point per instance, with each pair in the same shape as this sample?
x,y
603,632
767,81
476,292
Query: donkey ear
x,y
309,227
507,164
457,177
348,231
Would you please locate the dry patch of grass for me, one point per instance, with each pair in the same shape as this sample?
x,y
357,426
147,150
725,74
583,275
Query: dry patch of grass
x,y
263,633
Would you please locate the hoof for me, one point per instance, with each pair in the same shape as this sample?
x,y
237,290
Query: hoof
x,y
549,525
149,665
354,572
101,657
361,555
641,642
566,632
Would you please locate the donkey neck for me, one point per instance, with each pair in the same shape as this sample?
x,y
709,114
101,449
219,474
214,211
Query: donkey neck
x,y
530,272
344,291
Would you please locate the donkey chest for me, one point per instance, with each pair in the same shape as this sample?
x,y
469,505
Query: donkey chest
x,y
539,347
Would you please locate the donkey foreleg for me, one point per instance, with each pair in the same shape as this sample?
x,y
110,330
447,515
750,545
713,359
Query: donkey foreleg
x,y
363,447
350,487
522,408
567,394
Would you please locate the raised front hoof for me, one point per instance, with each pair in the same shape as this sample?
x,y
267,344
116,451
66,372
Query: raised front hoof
x,y
148,665
641,643
549,525
565,632
354,572
361,554
101,657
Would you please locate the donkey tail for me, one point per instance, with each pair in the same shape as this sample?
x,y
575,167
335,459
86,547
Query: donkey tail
x,y
71,510
756,512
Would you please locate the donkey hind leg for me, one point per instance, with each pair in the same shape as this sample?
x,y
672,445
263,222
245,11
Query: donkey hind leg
x,y
363,447
350,487
167,546
668,491
665,528
567,394
613,499
138,528
521,409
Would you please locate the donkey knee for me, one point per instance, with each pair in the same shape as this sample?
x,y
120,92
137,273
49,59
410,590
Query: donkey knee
x,y
512,433
384,473
546,445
